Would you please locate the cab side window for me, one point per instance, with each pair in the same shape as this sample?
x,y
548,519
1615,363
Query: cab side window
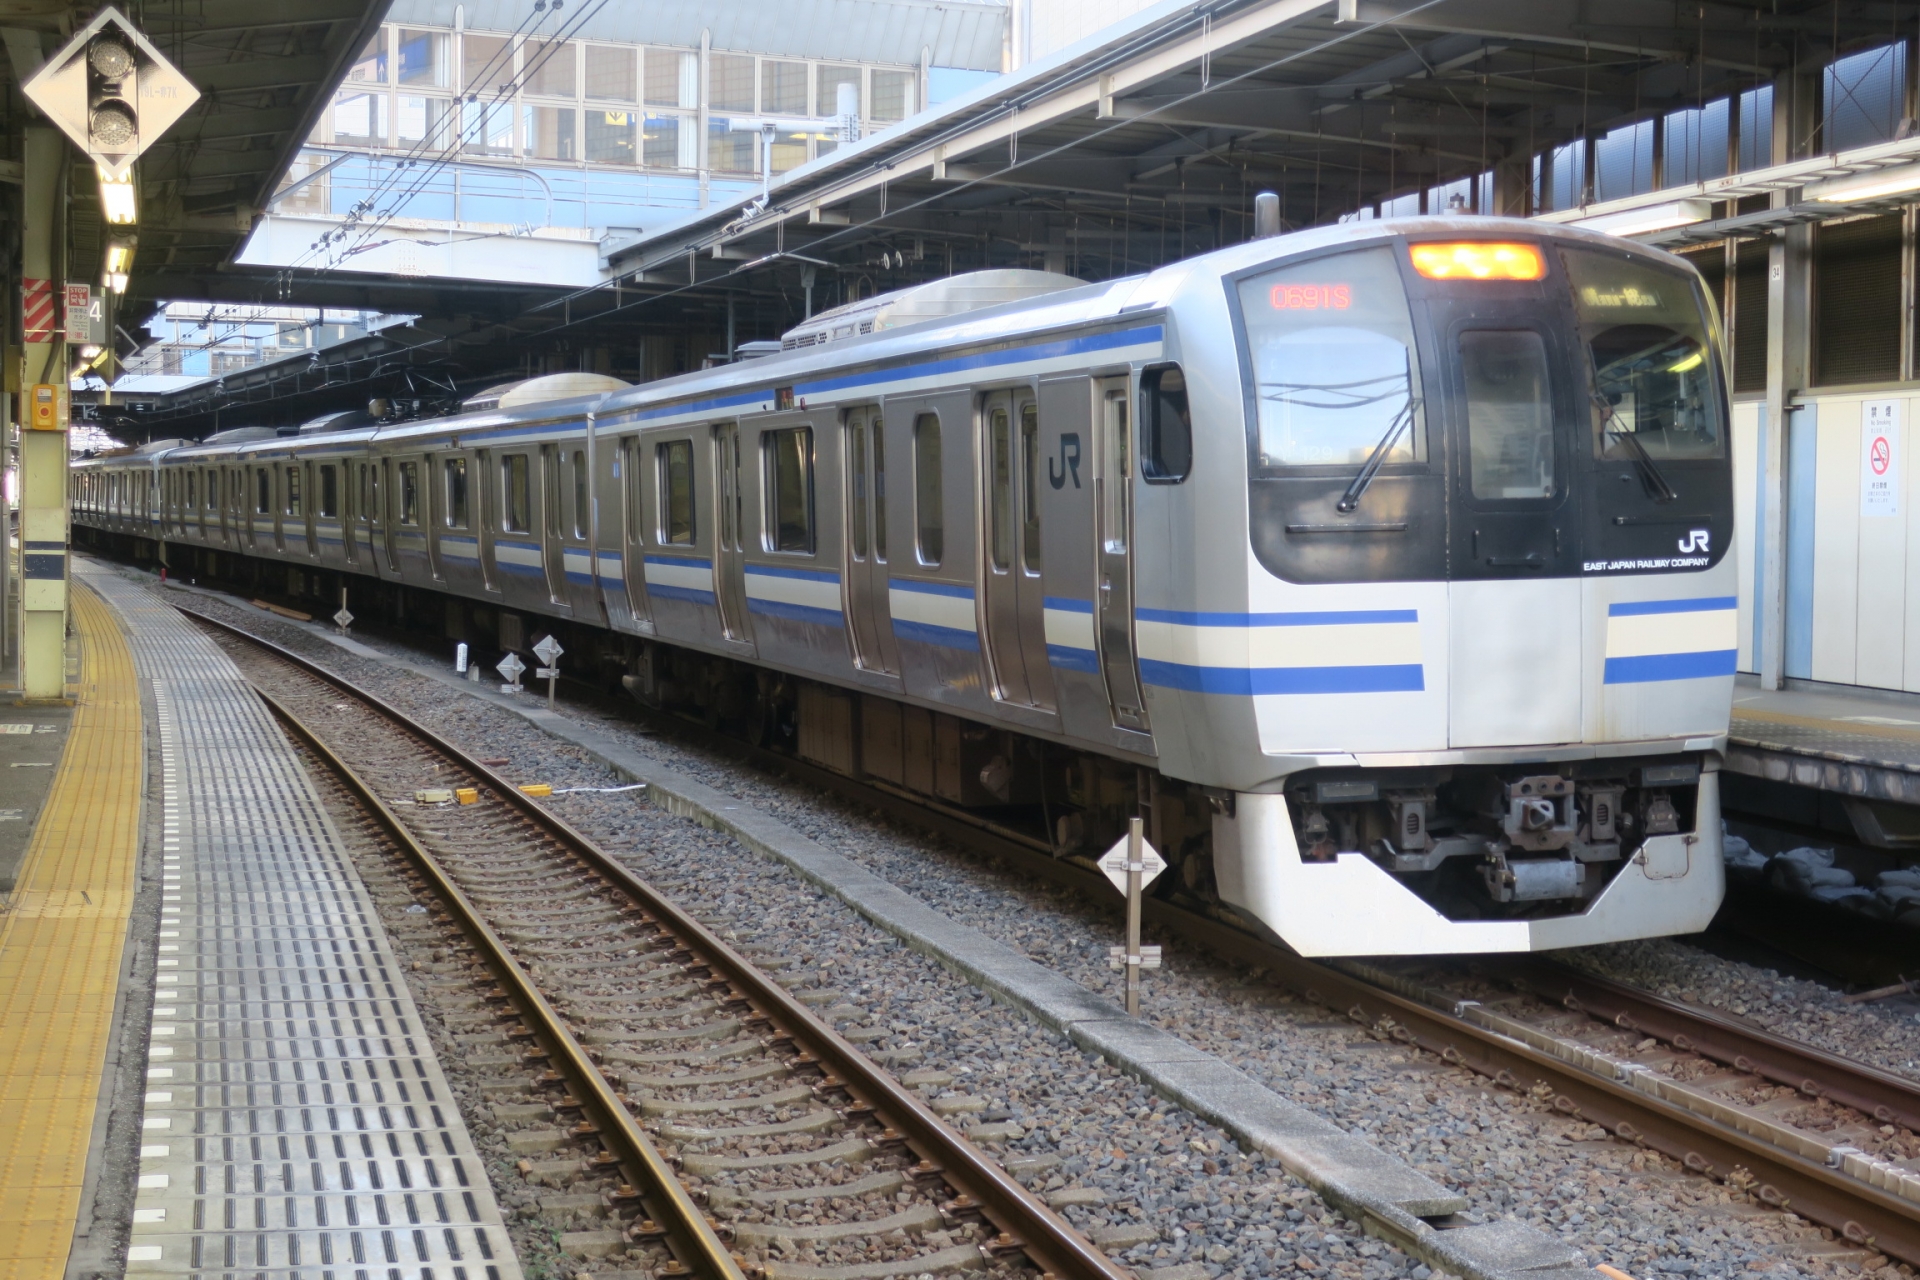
x,y
1166,426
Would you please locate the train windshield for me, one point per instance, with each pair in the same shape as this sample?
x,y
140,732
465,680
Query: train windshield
x,y
1653,376
1334,372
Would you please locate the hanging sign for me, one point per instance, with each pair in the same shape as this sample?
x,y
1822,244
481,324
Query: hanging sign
x,y
1880,458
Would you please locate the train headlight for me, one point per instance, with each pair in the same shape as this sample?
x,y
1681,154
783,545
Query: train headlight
x,y
1479,260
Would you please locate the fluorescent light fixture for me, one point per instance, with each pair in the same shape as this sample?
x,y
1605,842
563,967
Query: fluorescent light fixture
x,y
119,256
1866,186
1654,217
117,199
117,281
90,352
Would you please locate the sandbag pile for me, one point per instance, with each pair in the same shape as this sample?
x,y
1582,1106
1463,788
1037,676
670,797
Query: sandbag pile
x,y
1808,872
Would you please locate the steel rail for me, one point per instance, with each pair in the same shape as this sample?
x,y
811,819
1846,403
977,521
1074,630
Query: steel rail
x,y
1025,1223
1888,1098
688,1234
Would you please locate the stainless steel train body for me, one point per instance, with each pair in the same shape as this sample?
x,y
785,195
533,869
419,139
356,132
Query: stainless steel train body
x,y
1407,565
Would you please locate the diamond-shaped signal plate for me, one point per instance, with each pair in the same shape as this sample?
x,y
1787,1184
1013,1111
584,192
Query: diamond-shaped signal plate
x,y
161,93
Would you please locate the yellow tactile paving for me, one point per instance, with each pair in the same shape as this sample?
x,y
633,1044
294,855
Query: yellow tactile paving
x,y
60,949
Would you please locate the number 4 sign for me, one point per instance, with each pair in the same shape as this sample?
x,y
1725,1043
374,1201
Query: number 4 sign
x,y
1880,458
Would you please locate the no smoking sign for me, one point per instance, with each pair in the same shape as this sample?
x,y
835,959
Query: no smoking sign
x,y
1880,458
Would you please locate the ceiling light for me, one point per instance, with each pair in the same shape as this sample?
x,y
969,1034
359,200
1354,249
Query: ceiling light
x,y
1866,186
117,198
1693,361
1654,217
119,256
89,352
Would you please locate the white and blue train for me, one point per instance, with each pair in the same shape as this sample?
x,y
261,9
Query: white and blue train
x,y
1384,567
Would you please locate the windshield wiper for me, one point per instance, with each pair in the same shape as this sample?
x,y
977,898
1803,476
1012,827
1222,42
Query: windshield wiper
x,y
1656,484
1375,460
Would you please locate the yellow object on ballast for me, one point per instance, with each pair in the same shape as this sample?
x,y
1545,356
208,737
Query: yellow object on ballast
x,y
467,795
537,788
61,949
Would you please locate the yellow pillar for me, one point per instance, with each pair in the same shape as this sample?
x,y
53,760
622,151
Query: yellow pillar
x,y
43,443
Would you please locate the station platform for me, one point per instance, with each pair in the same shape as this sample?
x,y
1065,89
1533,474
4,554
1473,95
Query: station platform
x,y
247,1084
1859,745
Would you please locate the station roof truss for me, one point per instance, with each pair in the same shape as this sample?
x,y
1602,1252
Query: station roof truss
x,y
1147,143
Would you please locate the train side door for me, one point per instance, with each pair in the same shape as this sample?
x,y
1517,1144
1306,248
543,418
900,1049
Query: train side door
x,y
389,517
486,488
553,551
729,543
869,614
1113,533
633,527
1014,625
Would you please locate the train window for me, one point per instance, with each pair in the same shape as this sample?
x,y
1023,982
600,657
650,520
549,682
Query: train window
x,y
1653,374
580,497
370,492
1030,487
879,445
329,492
789,465
1509,414
409,493
193,490
454,473
213,490
293,491
550,477
263,492
674,463
518,513
1000,480
857,482
1330,341
929,511
1166,427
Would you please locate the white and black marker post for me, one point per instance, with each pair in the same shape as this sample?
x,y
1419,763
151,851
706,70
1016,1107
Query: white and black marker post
x,y
344,618
1132,864
548,651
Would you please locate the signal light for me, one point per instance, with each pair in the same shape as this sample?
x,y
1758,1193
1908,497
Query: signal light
x,y
1479,260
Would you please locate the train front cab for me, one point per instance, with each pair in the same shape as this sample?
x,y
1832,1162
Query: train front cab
x,y
1472,686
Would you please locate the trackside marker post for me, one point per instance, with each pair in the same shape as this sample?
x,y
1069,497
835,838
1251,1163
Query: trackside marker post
x,y
1132,864
549,651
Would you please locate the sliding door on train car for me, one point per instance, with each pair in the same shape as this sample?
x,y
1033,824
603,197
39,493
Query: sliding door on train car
x,y
553,551
1113,517
729,542
487,518
869,612
1012,602
633,528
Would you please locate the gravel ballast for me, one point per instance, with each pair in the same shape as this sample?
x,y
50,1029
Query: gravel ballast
x,y
1208,1204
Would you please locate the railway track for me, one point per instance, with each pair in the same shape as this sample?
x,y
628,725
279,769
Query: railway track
x,y
1801,1130
682,1095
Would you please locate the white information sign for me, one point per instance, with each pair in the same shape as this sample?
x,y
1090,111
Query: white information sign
x,y
511,667
1880,458
1113,863
548,649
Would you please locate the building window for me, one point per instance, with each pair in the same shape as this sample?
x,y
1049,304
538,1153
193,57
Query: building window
x,y
550,132
371,66
1864,96
1756,128
489,64
827,101
424,58
329,492
548,68
1696,146
609,136
488,128
360,117
421,119
660,143
610,73
929,510
672,78
518,512
1623,162
455,472
783,87
673,461
730,82
789,463
731,152
893,95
